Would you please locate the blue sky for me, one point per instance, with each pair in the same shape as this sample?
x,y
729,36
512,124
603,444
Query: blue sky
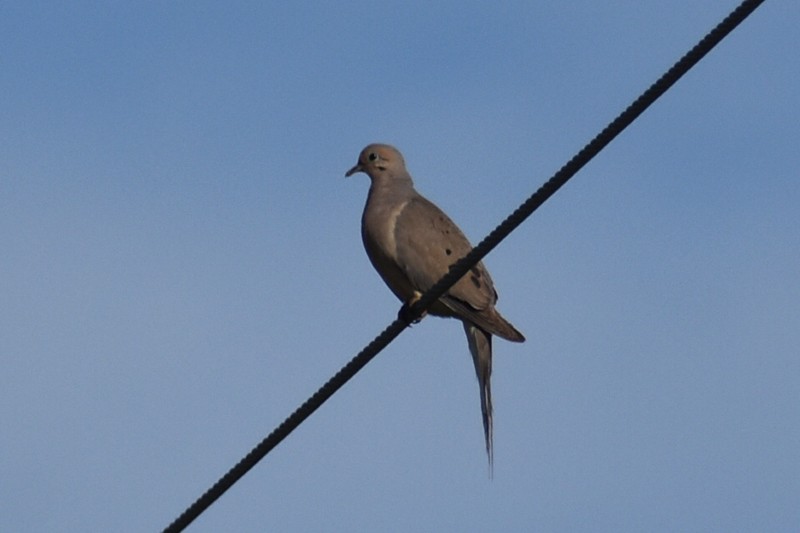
x,y
182,266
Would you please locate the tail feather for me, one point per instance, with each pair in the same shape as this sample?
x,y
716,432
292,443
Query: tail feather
x,y
480,346
488,319
505,329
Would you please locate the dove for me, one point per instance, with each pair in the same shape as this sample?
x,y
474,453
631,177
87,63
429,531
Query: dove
x,y
412,243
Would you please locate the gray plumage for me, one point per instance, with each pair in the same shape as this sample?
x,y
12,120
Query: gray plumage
x,y
412,243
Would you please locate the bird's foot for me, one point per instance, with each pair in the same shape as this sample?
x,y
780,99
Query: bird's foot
x,y
405,311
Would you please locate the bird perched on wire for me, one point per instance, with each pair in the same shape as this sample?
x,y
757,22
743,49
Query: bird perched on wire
x,y
412,243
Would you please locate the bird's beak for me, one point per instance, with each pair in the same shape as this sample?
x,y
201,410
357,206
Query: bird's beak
x,y
353,170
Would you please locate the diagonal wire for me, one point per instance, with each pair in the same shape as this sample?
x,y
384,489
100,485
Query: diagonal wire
x,y
462,266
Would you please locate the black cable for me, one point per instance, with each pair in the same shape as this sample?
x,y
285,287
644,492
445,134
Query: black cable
x,y
623,120
463,265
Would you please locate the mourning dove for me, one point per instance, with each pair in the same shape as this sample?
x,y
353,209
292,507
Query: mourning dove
x,y
412,243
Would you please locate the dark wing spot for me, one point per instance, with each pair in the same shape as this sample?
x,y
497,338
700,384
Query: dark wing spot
x,y
448,251
475,278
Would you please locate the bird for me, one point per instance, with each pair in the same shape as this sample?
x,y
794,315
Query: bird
x,y
411,243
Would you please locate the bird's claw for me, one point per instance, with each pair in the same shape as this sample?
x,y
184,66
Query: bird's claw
x,y
405,311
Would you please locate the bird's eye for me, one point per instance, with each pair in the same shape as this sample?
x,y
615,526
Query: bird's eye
x,y
372,156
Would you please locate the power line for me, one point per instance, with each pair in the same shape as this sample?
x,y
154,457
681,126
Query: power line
x,y
462,266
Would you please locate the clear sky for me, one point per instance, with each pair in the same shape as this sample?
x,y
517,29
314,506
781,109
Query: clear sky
x,y
182,266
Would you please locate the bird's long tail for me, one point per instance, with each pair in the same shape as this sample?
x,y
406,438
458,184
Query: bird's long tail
x,y
480,346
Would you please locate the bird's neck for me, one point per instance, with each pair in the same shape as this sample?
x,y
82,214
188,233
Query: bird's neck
x,y
386,185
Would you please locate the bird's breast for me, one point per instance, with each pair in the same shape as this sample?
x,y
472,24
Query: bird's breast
x,y
378,226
